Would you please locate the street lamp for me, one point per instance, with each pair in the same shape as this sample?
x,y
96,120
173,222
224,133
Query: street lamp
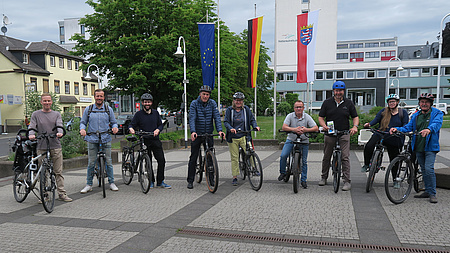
x,y
400,68
179,53
398,85
88,75
439,61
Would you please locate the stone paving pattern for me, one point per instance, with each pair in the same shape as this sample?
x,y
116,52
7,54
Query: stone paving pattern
x,y
130,221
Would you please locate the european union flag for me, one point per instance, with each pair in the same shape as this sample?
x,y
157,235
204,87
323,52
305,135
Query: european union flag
x,y
208,55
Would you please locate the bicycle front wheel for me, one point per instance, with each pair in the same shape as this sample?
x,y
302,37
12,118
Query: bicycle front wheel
x,y
255,172
47,187
199,166
145,173
372,170
242,164
127,167
212,172
289,165
19,185
399,180
102,174
296,172
336,166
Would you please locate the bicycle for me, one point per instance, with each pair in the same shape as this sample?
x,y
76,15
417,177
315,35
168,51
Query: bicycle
x,y
336,162
376,160
100,167
294,161
249,163
25,179
401,174
142,165
207,163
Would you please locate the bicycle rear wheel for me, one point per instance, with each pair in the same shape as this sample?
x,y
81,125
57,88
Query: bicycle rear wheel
x,y
242,164
296,172
255,172
102,174
418,179
399,180
145,172
289,165
373,170
199,166
211,172
336,166
127,166
47,187
19,185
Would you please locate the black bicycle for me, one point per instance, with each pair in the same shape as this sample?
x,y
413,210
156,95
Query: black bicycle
x,y
336,161
402,174
377,159
249,163
142,165
100,167
26,178
207,163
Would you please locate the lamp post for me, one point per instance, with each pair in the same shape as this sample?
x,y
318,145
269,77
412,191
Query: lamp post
x,y
398,85
88,75
180,54
439,62
400,68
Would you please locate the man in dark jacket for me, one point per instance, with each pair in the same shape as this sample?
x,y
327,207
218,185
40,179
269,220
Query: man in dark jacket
x,y
203,114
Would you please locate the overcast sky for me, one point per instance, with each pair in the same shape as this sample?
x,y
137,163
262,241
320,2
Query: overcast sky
x,y
413,22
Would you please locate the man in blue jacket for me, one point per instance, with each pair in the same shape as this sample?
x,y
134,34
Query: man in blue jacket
x,y
428,122
203,114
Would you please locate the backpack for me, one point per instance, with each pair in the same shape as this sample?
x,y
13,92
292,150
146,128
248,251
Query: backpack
x,y
91,107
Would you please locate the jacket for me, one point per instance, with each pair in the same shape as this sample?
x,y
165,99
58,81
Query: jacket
x,y
228,121
201,116
432,140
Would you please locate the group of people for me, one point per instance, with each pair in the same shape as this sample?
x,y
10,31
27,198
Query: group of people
x,y
336,111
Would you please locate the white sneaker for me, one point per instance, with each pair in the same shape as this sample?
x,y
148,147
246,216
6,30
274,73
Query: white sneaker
x,y
113,187
86,189
347,186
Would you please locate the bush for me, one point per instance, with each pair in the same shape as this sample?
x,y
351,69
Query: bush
x,y
284,108
73,144
173,136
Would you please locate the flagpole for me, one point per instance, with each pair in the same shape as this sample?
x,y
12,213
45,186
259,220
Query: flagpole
x,y
256,111
275,77
218,58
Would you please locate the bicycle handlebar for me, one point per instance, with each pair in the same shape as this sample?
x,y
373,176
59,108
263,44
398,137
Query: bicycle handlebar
x,y
337,132
247,131
45,134
209,135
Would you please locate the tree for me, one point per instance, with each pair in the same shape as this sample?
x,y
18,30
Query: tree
x,y
291,98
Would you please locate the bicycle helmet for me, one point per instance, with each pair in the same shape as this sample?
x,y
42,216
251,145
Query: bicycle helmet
x,y
339,85
428,96
146,96
238,95
205,88
392,96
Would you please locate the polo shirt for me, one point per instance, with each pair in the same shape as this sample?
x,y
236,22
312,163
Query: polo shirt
x,y
339,114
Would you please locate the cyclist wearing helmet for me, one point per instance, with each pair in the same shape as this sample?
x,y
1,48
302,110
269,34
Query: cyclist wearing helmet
x,y
203,114
338,109
237,116
428,122
388,117
149,120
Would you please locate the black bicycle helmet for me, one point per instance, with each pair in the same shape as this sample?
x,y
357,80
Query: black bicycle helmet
x,y
146,96
428,96
205,88
238,95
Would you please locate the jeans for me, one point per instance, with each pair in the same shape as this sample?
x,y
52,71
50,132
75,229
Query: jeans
x,y
426,161
287,148
92,160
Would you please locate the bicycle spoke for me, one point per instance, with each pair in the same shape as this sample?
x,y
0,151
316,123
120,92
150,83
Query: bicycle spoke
x,y
212,172
127,169
145,173
19,186
47,187
398,180
255,172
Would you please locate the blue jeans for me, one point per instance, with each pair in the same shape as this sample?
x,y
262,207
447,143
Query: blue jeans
x,y
426,161
287,148
92,160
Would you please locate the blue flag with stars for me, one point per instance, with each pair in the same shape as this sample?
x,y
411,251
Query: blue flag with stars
x,y
208,55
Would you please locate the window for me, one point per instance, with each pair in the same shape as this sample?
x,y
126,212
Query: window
x,y
61,62
356,45
32,86
392,91
52,60
371,73
25,57
305,1
289,76
402,93
57,91
360,74
434,70
447,71
374,54
342,46
387,44
426,72
92,89
76,88
281,76
329,93
77,65
85,89
83,30
417,54
69,64
319,75
373,44
414,72
340,56
413,93
67,87
61,31
319,95
446,93
350,74
339,74
45,85
387,55
392,73
403,73
329,75
381,73
356,56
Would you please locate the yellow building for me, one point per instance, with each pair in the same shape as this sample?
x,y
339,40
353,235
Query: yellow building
x,y
42,66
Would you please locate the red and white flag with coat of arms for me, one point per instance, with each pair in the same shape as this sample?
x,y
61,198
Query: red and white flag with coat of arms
x,y
306,45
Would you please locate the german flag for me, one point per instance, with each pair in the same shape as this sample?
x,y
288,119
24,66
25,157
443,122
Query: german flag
x,y
254,44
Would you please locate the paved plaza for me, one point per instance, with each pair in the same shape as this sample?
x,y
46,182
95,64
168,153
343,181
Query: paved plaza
x,y
234,219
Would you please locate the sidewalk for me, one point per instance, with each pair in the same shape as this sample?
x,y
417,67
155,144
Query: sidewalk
x,y
233,219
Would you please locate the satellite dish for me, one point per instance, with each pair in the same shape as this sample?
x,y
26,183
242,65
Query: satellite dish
x,y
4,29
5,20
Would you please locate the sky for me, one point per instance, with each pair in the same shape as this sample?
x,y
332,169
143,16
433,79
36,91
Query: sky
x,y
413,22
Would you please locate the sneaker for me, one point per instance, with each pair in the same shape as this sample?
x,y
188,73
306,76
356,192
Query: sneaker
x,y
281,177
365,168
423,195
322,182
234,183
396,185
163,185
347,186
86,189
190,186
113,187
304,185
152,185
64,198
433,199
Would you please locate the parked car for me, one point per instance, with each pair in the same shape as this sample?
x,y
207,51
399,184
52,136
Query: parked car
x,y
123,121
442,107
69,124
165,121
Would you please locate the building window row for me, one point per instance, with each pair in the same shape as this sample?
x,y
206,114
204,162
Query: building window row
x,y
359,56
367,45
61,63
380,73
